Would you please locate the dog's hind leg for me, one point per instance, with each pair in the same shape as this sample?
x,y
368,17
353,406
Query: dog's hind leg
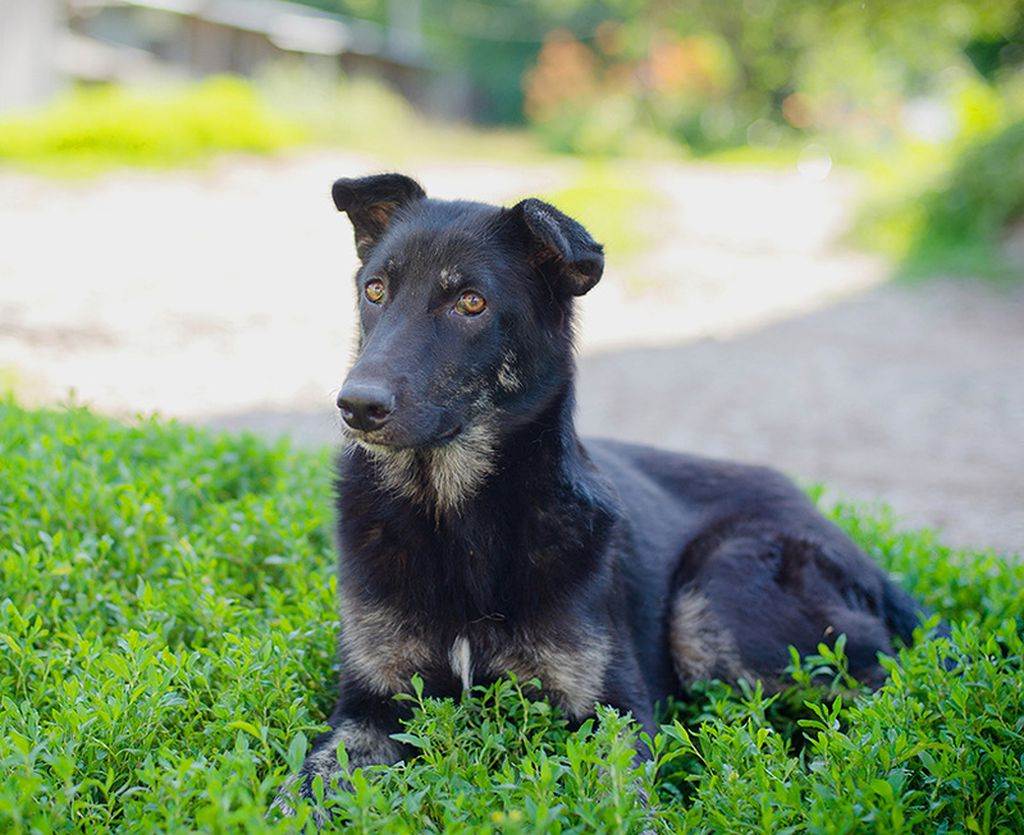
x,y
702,647
752,593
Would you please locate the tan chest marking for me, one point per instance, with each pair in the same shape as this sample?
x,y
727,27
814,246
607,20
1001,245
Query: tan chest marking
x,y
445,476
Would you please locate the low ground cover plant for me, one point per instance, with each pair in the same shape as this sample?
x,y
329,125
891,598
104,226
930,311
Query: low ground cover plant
x,y
167,619
88,131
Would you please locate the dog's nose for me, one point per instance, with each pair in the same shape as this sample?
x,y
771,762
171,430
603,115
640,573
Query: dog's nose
x,y
365,406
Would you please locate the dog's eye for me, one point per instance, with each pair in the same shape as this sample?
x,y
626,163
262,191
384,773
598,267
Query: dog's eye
x,y
470,304
374,291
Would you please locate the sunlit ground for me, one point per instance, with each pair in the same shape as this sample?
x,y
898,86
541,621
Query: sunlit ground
x,y
222,295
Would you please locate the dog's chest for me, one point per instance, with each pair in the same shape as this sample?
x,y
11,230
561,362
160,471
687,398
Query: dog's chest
x,y
570,664
384,650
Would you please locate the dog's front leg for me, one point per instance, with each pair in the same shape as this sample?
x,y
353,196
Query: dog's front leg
x,y
643,715
366,738
626,691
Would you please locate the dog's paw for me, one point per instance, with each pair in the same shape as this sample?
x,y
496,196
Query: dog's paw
x,y
299,787
286,795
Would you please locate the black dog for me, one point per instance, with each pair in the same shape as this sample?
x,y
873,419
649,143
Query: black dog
x,y
480,536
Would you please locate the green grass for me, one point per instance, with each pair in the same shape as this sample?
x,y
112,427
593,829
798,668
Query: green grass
x,y
167,620
89,130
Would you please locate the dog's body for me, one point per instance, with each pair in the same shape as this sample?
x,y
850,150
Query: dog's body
x,y
479,536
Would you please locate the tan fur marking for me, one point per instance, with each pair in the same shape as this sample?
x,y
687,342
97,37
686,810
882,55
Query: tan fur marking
x,y
573,675
396,467
457,469
701,647
365,744
508,377
381,213
445,476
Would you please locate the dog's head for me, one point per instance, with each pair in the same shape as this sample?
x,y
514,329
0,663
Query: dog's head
x,y
465,314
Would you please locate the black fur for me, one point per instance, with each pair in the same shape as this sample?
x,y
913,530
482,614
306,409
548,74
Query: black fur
x,y
614,573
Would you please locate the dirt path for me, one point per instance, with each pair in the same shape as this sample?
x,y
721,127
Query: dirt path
x,y
223,297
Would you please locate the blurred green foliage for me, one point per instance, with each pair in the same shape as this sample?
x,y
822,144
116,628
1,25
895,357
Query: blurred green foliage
x,y
963,220
167,624
90,129
953,208
711,74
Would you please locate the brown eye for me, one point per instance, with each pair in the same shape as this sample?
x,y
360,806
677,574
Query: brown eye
x,y
470,304
375,291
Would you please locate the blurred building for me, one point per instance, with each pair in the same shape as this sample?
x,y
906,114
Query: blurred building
x,y
45,41
203,37
29,33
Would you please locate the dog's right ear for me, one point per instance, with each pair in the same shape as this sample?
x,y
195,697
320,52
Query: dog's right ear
x,y
370,203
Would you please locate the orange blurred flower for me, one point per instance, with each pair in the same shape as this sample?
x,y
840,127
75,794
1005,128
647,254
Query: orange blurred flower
x,y
566,69
685,65
798,111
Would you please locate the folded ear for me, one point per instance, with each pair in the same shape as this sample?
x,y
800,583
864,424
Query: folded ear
x,y
370,203
561,248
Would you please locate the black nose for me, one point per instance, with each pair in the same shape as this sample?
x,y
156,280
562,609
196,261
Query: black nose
x,y
365,406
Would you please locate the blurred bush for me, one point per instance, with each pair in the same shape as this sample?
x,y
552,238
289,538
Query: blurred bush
x,y
576,104
99,127
985,189
953,205
593,100
961,223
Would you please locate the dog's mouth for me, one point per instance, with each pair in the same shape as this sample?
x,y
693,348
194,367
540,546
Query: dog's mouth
x,y
449,436
382,440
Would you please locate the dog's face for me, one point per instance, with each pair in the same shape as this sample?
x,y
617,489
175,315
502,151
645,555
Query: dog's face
x,y
464,311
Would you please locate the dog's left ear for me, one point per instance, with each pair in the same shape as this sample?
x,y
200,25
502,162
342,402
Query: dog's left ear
x,y
560,247
370,203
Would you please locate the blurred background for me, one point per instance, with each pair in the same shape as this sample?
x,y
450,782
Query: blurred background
x,y
813,212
